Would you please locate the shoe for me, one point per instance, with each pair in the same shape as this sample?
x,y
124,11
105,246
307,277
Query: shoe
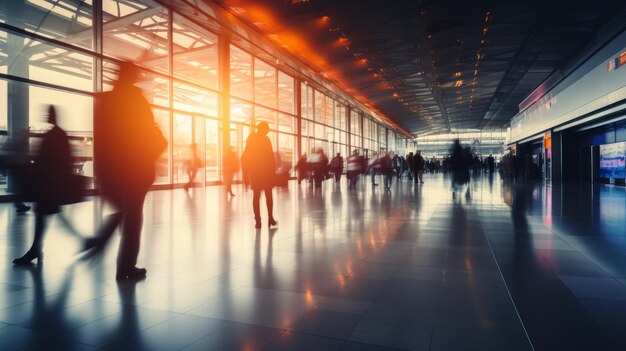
x,y
28,258
22,208
257,223
231,193
421,182
133,274
272,222
374,184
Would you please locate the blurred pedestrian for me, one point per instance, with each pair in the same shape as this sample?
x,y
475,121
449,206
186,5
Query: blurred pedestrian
x,y
127,145
258,163
53,169
336,166
231,166
192,164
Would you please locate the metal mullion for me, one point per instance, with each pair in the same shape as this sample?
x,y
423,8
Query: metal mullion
x,y
170,68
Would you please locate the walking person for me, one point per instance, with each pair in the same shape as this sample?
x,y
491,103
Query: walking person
x,y
355,167
258,163
336,166
302,168
53,170
419,165
387,170
231,166
127,145
192,165
410,166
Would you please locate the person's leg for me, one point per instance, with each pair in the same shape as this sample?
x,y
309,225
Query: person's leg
x,y
40,228
256,197
131,234
269,202
35,250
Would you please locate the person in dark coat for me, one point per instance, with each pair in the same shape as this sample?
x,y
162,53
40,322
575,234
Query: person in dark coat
x,y
419,164
387,170
127,144
336,166
302,168
53,170
259,165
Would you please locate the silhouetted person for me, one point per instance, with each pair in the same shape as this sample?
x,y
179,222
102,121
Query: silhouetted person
x,y
231,166
127,144
53,169
356,165
459,167
192,165
302,168
491,163
410,166
336,166
397,161
319,166
258,164
418,166
386,169
373,165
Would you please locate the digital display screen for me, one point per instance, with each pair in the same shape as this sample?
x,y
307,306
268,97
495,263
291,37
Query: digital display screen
x,y
612,160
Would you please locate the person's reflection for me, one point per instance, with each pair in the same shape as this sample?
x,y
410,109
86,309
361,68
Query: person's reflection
x,y
48,315
127,329
335,198
459,231
264,276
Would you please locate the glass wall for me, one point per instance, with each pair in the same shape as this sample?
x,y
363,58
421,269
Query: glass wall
x,y
58,62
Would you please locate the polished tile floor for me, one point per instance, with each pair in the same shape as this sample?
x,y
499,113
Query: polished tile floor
x,y
515,267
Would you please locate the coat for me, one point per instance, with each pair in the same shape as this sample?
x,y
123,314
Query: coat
x,y
258,162
127,142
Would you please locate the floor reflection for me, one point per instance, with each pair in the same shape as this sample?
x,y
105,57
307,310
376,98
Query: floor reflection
x,y
410,268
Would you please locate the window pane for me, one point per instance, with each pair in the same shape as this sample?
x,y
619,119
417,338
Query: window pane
x,y
307,101
305,128
320,100
181,145
155,88
340,116
192,99
286,123
264,83
33,59
287,148
329,112
74,115
240,73
195,53
75,111
144,40
320,131
286,93
200,141
162,119
3,104
240,111
212,149
68,21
